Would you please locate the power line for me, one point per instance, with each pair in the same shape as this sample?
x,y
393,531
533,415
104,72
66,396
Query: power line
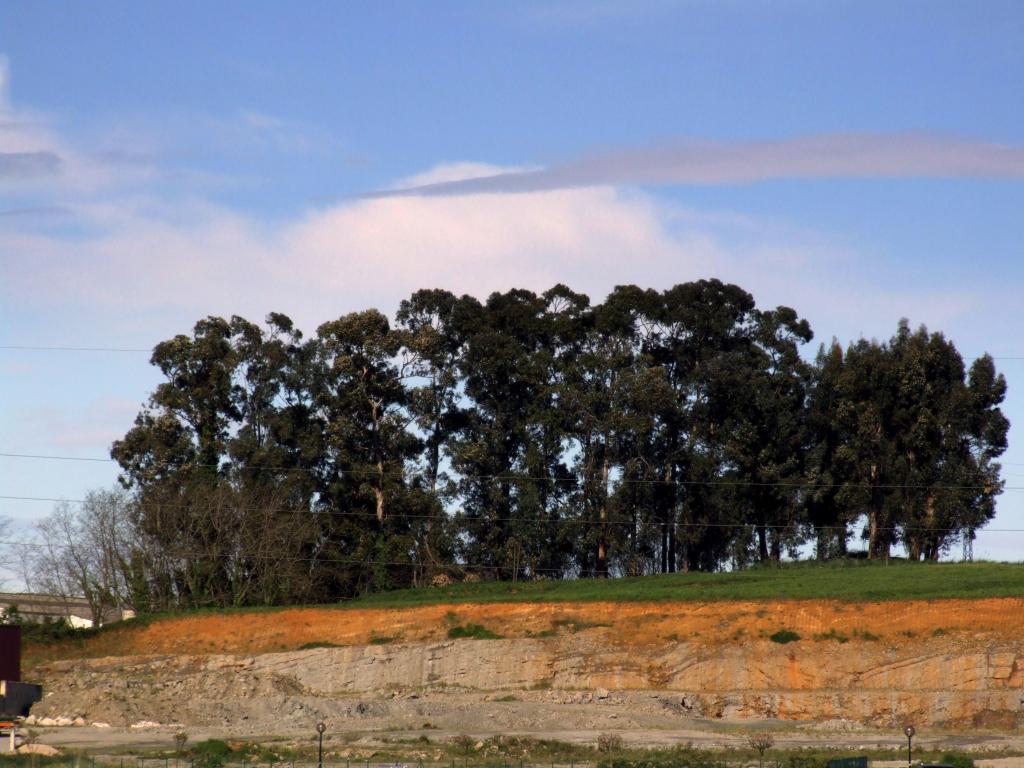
x,y
31,348
67,348
644,481
322,560
53,458
191,553
369,516
537,478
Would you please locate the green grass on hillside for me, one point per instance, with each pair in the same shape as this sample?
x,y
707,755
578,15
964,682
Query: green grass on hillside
x,y
851,580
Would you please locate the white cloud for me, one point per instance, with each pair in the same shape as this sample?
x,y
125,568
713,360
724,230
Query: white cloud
x,y
347,256
35,161
137,249
180,260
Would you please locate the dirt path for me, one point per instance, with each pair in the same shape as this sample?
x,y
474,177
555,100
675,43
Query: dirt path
x,y
711,736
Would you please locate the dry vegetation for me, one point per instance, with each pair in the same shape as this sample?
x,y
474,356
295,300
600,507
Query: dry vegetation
x,y
635,623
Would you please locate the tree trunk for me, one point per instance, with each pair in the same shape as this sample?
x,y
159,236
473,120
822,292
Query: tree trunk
x,y
914,548
872,533
874,517
378,492
672,545
602,542
762,542
664,545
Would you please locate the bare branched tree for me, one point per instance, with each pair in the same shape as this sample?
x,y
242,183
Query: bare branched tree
x,y
761,743
85,551
7,559
221,545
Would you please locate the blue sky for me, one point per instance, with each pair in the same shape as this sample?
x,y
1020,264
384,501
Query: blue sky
x,y
162,161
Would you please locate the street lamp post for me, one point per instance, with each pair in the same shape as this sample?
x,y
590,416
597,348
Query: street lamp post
x,y
320,728
908,731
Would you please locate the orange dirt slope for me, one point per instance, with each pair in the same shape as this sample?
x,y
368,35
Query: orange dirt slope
x,y
628,624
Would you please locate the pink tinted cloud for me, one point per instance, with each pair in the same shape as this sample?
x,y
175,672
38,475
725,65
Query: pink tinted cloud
x,y
685,161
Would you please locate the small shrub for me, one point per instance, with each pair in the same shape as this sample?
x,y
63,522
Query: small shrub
x,y
463,742
761,743
180,738
46,631
863,634
212,753
509,697
957,760
832,634
376,639
677,757
609,742
474,631
318,644
784,636
212,747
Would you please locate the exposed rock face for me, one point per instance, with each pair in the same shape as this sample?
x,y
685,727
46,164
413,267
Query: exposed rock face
x,y
953,682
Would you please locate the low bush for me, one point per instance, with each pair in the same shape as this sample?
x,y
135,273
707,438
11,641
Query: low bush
x,y
474,631
681,757
832,634
212,753
318,644
957,760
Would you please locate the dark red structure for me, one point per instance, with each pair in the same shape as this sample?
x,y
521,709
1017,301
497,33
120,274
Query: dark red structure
x,y
10,653
16,697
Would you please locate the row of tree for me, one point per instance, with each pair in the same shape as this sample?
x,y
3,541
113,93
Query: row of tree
x,y
542,435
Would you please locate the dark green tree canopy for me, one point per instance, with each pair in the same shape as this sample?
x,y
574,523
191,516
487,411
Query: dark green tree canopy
x,y
541,435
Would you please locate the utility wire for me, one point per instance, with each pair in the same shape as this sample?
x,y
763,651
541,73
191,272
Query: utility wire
x,y
370,516
187,553
358,561
341,473
322,560
51,457
63,348
30,348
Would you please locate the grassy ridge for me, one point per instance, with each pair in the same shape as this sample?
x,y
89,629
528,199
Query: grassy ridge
x,y
849,581
853,581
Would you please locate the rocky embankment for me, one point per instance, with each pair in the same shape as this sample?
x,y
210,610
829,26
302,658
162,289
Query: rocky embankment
x,y
594,677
